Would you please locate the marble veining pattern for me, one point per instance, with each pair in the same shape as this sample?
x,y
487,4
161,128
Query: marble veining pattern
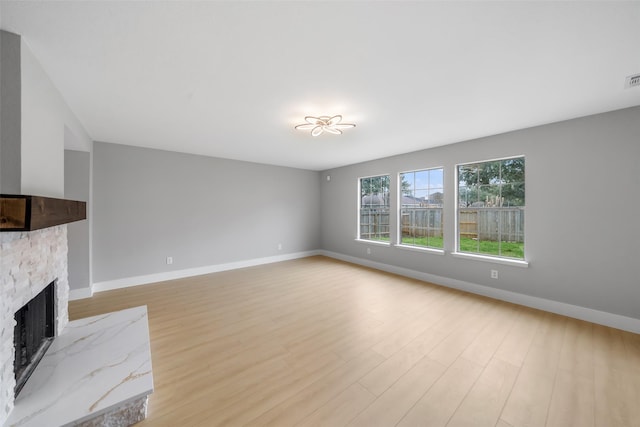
x,y
96,365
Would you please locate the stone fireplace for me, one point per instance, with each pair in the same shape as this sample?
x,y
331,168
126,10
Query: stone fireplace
x,y
102,364
30,261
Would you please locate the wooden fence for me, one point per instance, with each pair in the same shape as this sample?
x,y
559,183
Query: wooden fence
x,y
494,223
421,222
374,223
505,224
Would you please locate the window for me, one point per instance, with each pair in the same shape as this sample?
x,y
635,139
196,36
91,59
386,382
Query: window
x,y
491,208
374,208
421,198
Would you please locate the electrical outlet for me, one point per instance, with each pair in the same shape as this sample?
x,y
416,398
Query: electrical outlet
x,y
279,246
368,251
169,260
494,274
632,81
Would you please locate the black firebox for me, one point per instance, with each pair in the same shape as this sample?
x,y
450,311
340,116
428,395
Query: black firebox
x,y
33,334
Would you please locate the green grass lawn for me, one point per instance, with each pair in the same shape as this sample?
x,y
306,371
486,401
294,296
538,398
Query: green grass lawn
x,y
432,242
509,249
379,238
485,247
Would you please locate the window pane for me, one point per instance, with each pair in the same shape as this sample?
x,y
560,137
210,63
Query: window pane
x,y
463,197
436,178
489,196
436,197
513,170
365,186
489,172
406,182
468,175
435,228
421,196
422,180
420,219
374,208
513,194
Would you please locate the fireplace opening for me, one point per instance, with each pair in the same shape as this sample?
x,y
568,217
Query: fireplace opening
x,y
33,334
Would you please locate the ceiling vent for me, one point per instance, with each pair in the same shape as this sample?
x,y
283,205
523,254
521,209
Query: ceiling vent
x,y
632,81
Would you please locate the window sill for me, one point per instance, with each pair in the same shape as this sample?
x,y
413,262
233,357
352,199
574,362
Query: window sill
x,y
373,242
433,251
496,260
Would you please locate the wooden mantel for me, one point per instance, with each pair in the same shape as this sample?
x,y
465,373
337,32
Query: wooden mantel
x,y
28,213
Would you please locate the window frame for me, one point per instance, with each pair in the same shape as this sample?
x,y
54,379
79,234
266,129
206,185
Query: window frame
x,y
399,244
359,238
520,262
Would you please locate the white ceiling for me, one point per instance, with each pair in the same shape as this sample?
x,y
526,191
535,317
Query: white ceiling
x,y
231,79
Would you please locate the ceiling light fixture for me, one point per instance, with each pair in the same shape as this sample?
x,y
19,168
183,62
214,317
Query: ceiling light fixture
x,y
321,124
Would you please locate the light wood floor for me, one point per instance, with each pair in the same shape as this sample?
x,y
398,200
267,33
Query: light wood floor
x,y
320,342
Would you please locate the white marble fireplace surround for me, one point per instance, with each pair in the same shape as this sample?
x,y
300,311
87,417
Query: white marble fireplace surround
x,y
97,371
29,261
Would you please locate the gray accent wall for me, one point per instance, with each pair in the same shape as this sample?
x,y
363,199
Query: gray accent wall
x,y
77,173
10,109
150,204
581,221
46,118
42,135
34,119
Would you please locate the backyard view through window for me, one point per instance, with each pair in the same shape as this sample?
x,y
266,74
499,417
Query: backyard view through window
x,y
374,208
491,208
421,208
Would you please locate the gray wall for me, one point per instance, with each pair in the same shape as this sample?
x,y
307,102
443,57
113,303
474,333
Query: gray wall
x,y
34,121
582,207
45,119
77,173
10,109
149,204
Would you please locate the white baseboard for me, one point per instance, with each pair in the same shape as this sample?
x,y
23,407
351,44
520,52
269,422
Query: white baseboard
x,y
82,293
590,315
189,272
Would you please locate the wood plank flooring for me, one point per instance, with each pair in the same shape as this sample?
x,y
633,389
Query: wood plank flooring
x,y
318,342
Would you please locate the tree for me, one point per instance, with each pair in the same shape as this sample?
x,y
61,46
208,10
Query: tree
x,y
375,185
500,178
437,198
496,172
405,187
380,185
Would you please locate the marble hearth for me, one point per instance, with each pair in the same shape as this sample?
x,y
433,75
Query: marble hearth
x,y
97,372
